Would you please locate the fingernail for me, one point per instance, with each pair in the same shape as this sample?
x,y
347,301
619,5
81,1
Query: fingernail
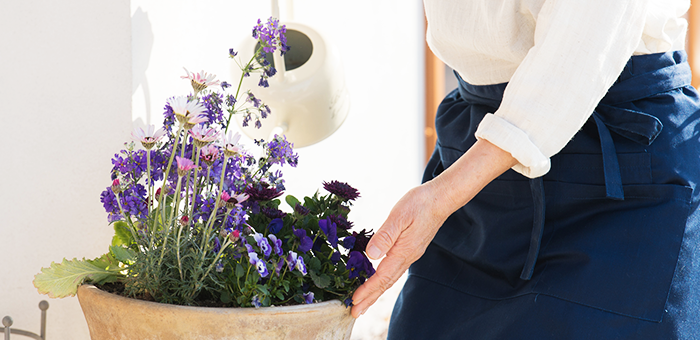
x,y
362,312
373,252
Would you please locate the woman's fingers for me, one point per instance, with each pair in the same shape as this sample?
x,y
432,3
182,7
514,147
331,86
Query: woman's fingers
x,y
388,272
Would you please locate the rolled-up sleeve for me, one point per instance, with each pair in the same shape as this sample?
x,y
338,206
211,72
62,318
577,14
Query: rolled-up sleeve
x,y
581,46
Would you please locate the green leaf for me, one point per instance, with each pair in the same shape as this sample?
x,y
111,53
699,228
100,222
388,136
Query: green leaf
x,y
62,279
226,297
321,281
263,290
279,295
239,271
292,201
314,264
122,233
124,255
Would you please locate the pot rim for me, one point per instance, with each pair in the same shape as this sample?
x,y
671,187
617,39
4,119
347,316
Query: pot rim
x,y
93,290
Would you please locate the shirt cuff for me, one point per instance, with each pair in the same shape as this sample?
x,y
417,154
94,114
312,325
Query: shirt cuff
x,y
499,132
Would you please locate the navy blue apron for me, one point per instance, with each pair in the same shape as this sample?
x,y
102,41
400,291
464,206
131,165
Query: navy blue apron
x,y
604,246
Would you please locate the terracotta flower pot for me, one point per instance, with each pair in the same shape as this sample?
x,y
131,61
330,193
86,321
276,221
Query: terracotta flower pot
x,y
114,317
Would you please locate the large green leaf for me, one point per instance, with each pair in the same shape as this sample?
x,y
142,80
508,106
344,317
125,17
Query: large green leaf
x,y
124,255
122,234
62,279
292,201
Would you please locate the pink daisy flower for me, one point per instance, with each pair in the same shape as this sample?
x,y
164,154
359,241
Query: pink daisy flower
x,y
202,135
184,165
188,113
201,80
148,137
230,144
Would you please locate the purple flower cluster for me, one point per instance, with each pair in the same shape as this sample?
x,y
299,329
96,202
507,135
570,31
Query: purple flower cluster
x,y
280,151
271,36
133,200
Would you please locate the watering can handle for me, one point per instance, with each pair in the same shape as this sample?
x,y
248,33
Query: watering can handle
x,y
279,60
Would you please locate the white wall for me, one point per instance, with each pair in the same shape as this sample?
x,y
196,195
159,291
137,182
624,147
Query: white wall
x,y
67,78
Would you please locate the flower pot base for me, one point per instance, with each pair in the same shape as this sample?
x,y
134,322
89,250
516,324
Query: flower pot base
x,y
114,317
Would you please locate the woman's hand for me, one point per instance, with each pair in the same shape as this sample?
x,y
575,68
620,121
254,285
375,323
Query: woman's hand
x,y
416,218
411,225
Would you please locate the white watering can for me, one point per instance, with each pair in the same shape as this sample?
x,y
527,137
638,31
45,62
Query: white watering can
x,y
307,96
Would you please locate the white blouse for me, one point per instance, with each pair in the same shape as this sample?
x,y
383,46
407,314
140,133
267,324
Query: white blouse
x,y
559,57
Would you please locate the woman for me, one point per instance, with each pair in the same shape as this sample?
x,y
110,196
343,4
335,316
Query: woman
x,y
559,202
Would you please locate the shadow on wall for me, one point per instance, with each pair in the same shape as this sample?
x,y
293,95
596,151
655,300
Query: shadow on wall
x,y
141,47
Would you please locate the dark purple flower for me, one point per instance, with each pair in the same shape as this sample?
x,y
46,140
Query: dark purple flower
x,y
348,302
273,213
232,53
329,228
306,242
357,264
275,225
361,240
301,209
349,242
262,192
342,190
335,257
341,221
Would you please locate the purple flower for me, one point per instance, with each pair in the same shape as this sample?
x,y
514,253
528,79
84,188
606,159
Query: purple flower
x,y
225,85
348,302
219,267
358,263
306,242
349,242
232,53
301,209
276,244
217,245
263,244
342,190
271,36
335,257
259,264
279,266
275,225
300,266
280,151
331,231
256,302
309,297
294,261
